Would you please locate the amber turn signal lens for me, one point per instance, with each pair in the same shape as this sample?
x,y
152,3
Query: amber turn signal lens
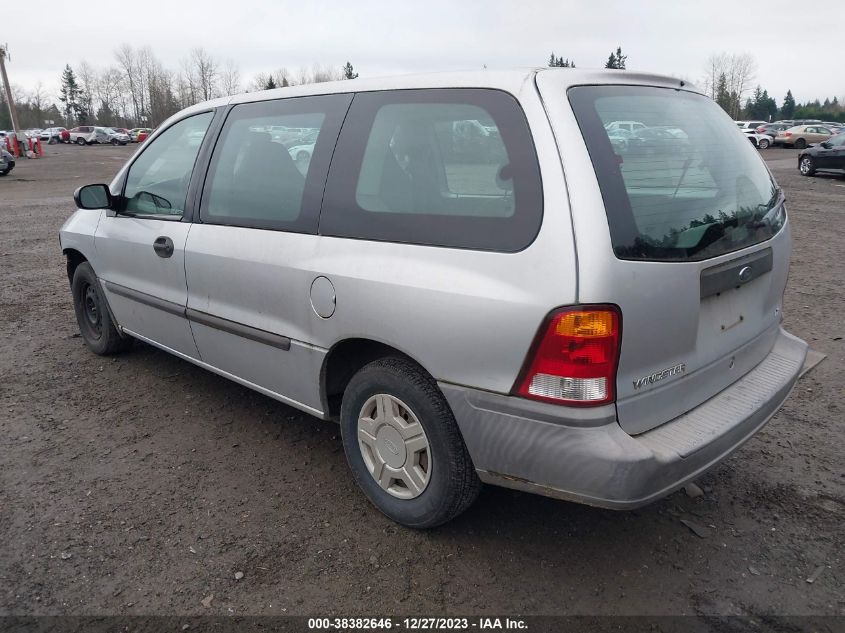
x,y
585,324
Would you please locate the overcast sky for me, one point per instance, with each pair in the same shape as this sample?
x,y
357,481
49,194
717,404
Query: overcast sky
x,y
383,37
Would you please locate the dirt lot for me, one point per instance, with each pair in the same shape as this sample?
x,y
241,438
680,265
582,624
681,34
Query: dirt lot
x,y
142,484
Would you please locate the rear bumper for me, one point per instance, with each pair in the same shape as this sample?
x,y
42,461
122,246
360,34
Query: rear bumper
x,y
584,455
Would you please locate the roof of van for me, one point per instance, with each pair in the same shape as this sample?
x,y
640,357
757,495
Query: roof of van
x,y
512,80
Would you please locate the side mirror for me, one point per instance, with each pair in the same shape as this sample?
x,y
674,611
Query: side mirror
x,y
826,145
93,197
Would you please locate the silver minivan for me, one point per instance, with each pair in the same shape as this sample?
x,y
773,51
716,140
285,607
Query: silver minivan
x,y
533,307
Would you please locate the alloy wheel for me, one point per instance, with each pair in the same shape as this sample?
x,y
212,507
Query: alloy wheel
x,y
806,165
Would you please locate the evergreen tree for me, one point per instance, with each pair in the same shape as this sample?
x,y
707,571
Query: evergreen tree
x,y
560,62
270,85
69,95
723,97
285,82
616,59
787,110
349,72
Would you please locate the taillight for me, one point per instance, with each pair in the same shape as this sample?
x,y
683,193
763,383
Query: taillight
x,y
574,357
787,133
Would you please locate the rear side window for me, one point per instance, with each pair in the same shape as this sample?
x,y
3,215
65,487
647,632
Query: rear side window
x,y
444,167
269,166
687,186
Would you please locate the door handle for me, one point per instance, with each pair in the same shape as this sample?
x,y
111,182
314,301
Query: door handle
x,y
163,246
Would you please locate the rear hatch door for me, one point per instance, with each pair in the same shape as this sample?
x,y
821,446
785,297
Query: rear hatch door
x,y
684,229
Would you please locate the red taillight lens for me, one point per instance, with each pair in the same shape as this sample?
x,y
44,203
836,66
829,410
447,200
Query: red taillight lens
x,y
787,133
574,357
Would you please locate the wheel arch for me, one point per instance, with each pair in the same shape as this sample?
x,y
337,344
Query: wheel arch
x,y
343,361
74,259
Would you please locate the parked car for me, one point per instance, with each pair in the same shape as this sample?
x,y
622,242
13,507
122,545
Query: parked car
x,y
630,126
134,132
302,154
142,135
760,141
772,129
620,139
826,156
52,134
112,136
7,161
802,135
82,135
749,125
465,317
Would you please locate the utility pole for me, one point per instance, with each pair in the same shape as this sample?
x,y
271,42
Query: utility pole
x,y
4,51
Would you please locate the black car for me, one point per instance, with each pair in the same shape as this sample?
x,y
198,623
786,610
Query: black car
x,y
829,154
7,162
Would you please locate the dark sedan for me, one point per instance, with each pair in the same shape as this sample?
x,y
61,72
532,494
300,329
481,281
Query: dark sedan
x,y
828,155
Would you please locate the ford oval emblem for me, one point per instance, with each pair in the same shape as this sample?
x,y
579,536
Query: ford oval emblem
x,y
745,274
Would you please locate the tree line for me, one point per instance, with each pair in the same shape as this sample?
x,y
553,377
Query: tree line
x,y
728,80
137,90
616,60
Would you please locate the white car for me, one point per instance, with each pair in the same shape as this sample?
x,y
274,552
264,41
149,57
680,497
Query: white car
x,y
110,135
630,126
301,153
760,141
52,134
749,125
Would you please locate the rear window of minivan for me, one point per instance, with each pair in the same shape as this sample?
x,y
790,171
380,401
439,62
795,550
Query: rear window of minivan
x,y
687,187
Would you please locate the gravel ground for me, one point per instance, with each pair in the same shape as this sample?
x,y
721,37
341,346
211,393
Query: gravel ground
x,y
142,484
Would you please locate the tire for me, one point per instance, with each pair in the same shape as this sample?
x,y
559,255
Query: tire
x,y
80,140
763,144
114,141
800,143
3,172
303,156
444,483
92,314
806,166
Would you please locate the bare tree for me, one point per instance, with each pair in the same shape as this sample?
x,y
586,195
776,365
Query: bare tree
x,y
87,77
738,71
230,78
38,101
110,94
303,76
259,82
127,60
283,78
204,71
320,73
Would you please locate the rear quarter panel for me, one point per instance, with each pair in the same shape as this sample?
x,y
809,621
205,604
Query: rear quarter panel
x,y
467,316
